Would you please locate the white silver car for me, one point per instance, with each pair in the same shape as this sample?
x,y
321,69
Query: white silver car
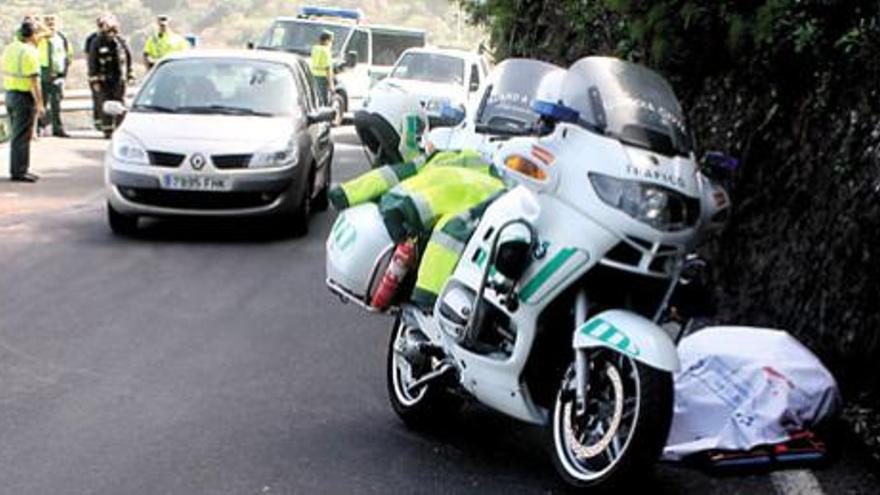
x,y
220,133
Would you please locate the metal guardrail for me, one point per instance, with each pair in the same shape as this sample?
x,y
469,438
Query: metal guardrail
x,y
75,100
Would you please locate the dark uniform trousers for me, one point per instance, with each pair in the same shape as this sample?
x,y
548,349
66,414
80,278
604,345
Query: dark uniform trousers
x,y
112,88
52,97
22,111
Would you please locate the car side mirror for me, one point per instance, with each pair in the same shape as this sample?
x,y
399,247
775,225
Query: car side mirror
x,y
250,45
717,161
351,59
321,115
114,108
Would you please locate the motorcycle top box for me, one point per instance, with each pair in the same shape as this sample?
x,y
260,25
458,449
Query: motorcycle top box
x,y
358,249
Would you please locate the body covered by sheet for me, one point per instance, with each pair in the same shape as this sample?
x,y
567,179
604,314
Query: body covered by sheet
x,y
741,387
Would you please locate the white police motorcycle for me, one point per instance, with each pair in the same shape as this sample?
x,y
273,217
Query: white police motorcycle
x,y
553,313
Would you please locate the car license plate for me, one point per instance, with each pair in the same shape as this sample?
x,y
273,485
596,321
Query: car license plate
x,y
196,183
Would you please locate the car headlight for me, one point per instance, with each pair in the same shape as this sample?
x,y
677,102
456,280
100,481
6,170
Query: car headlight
x,y
127,148
657,206
275,158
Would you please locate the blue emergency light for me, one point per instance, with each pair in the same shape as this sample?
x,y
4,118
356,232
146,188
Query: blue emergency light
x,y
312,11
555,111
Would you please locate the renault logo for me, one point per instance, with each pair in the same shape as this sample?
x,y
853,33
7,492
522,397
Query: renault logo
x,y
197,161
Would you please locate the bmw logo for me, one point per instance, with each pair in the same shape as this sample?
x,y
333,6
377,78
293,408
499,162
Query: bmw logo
x,y
197,161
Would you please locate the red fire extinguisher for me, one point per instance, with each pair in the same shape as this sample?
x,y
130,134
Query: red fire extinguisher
x,y
403,259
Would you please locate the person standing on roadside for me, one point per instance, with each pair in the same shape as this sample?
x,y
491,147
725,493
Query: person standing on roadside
x,y
162,42
96,115
24,99
56,54
322,67
109,70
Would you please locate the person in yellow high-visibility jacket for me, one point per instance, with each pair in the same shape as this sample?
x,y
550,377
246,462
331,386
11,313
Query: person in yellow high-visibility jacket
x,y
24,98
56,55
321,64
162,42
444,195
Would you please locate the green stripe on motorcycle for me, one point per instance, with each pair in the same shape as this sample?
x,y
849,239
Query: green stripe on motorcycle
x,y
604,331
548,270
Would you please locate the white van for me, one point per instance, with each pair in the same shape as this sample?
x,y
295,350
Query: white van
x,y
362,53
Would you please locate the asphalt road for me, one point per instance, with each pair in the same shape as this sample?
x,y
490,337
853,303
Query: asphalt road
x,y
208,358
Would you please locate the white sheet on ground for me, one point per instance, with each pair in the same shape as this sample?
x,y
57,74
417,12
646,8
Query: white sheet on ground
x,y
740,387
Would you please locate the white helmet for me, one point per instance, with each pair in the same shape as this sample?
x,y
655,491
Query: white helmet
x,y
391,124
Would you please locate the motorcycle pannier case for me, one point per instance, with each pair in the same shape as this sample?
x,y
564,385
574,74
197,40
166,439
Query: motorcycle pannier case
x,y
358,251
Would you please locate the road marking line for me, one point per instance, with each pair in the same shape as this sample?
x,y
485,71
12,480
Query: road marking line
x,y
796,482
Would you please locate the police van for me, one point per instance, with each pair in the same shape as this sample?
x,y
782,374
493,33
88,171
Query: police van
x,y
363,53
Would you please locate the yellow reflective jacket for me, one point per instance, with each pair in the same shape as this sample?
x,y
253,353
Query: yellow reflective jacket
x,y
413,196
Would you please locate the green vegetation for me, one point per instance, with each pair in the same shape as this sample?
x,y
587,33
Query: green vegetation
x,y
793,88
231,23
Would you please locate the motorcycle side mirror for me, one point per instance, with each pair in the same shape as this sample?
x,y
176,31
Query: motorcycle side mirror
x,y
514,252
693,269
720,162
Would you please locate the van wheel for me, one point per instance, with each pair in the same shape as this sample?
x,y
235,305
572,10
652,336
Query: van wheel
x,y
121,224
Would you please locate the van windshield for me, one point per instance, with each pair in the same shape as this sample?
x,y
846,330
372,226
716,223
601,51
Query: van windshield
x,y
430,67
298,36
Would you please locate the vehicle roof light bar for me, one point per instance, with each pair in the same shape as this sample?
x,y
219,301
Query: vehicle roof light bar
x,y
313,11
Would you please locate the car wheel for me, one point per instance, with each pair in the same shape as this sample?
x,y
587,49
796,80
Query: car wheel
x,y
322,200
303,212
121,224
339,106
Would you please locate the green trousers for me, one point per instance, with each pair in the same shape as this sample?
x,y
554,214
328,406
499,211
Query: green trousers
x,y
322,86
22,110
52,97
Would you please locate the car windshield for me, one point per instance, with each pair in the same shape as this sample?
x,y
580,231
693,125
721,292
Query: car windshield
x,y
300,36
219,86
629,102
512,87
430,67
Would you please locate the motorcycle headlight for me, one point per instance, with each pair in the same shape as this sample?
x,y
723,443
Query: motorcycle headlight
x,y
275,157
659,207
127,148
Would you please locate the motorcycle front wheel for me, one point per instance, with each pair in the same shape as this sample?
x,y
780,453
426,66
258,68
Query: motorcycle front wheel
x,y
623,430
425,406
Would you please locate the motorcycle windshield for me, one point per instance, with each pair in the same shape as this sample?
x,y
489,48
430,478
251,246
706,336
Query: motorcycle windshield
x,y
506,106
628,102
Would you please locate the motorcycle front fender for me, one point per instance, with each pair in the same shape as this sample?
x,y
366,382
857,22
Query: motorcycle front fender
x,y
629,334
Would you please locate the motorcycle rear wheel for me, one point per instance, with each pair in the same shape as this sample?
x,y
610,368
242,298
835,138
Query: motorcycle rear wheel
x,y
422,408
624,430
